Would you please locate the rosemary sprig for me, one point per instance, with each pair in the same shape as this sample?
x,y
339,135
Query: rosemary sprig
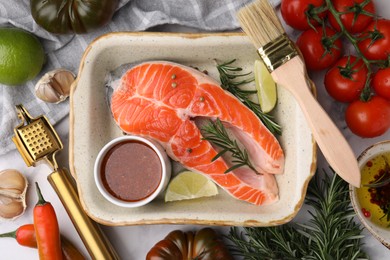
x,y
228,75
331,232
216,133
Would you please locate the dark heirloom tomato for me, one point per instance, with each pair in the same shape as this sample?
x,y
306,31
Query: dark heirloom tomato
x,y
346,79
355,18
318,48
377,45
72,16
177,245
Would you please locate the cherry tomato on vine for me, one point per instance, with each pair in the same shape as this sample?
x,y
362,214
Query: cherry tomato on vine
x,y
368,118
297,13
318,48
381,83
346,79
377,46
357,14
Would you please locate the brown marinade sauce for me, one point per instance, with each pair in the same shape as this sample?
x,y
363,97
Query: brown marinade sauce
x,y
131,171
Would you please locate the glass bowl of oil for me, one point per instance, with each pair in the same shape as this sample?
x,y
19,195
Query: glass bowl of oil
x,y
371,201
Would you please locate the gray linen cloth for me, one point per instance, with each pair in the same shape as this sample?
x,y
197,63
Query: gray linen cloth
x,y
65,51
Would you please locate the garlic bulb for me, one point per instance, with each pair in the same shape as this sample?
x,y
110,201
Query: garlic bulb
x,y
54,86
13,187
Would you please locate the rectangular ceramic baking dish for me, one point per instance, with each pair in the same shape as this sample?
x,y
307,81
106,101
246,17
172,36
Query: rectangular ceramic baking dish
x,y
91,127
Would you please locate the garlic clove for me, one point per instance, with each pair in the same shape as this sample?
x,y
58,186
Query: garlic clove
x,y
54,86
13,187
12,182
11,208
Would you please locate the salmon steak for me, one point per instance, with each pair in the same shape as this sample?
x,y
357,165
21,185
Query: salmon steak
x,y
161,100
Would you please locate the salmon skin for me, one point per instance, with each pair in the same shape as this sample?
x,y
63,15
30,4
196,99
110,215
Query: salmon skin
x,y
161,100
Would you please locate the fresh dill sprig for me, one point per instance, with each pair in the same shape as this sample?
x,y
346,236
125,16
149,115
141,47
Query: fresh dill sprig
x,y
331,233
228,75
216,133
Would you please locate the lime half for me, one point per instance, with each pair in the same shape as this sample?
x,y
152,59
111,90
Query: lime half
x,y
190,185
265,86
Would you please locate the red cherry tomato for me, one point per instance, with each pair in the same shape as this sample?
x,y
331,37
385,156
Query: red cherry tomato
x,y
354,19
317,48
377,46
381,83
368,118
294,13
346,79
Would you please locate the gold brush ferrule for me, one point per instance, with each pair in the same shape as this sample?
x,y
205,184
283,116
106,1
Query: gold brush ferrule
x,y
274,54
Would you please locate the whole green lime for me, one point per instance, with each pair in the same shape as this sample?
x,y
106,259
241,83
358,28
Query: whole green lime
x,y
21,56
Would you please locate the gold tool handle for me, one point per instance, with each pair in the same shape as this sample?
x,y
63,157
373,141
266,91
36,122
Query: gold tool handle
x,y
97,244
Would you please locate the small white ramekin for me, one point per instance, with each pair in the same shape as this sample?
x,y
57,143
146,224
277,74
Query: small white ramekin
x,y
165,176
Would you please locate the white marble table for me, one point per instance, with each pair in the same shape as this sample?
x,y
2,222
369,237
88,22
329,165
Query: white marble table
x,y
133,242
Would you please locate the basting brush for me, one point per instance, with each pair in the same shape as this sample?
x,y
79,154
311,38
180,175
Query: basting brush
x,y
260,22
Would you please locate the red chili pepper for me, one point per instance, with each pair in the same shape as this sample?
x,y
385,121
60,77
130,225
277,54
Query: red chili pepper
x,y
25,236
46,229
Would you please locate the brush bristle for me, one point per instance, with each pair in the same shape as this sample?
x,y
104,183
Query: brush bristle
x,y
260,22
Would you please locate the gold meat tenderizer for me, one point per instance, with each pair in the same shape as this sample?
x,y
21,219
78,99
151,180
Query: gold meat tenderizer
x,y
37,140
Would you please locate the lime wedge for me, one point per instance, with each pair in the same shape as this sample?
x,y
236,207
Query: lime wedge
x,y
190,185
265,86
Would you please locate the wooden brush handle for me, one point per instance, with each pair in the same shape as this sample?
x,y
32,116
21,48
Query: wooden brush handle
x,y
334,147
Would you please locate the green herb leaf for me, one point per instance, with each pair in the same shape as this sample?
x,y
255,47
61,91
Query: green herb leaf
x,y
228,76
216,133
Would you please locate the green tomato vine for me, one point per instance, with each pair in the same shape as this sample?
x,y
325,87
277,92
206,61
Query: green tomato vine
x,y
354,39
